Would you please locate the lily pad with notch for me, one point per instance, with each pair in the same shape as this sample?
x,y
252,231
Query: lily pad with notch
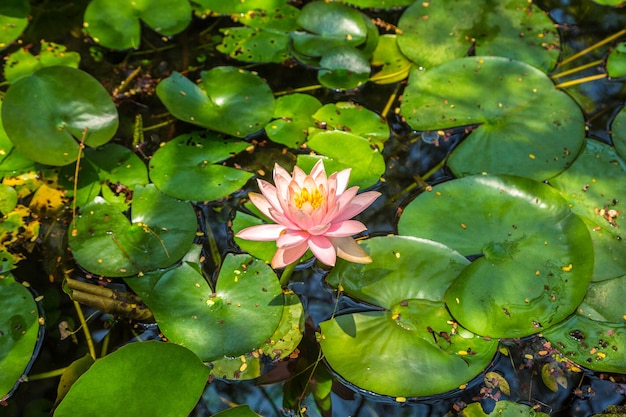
x,y
61,104
186,167
535,256
525,126
340,150
160,231
410,338
434,33
230,100
594,187
293,115
170,377
19,327
247,301
116,23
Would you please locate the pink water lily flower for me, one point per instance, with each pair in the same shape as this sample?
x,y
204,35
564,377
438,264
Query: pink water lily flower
x,y
311,212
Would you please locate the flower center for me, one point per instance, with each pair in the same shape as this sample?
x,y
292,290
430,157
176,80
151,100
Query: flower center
x,y
306,198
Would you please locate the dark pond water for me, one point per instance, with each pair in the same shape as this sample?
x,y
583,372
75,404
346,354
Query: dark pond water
x,y
582,23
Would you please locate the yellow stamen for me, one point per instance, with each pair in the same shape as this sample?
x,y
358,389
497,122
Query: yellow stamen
x,y
314,198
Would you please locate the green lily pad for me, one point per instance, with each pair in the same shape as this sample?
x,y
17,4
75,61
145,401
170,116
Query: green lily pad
x,y
231,7
349,117
280,345
434,33
502,409
185,167
331,21
232,100
616,62
19,328
341,150
259,249
13,20
170,378
379,4
604,301
111,170
247,302
60,104
22,63
618,132
537,256
116,23
526,126
265,37
595,189
160,232
343,68
412,347
595,345
395,66
238,411
11,160
292,119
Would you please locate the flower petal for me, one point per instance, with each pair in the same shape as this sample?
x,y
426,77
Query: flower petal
x,y
357,205
348,249
291,238
284,257
261,203
343,177
345,228
323,250
262,232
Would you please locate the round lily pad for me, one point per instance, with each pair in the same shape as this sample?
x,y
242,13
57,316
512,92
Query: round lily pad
x,y
293,117
525,125
169,377
159,233
231,100
349,117
618,132
343,68
61,104
436,32
115,23
536,256
595,188
19,328
413,338
616,62
186,168
247,302
341,150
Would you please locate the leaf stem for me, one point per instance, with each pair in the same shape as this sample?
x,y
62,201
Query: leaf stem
x,y
581,80
46,375
592,47
390,101
577,69
298,90
287,272
83,323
